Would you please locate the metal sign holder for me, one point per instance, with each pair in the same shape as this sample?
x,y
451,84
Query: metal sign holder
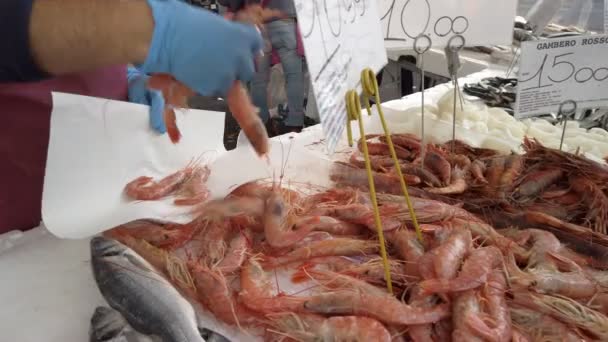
x,y
452,53
566,110
420,51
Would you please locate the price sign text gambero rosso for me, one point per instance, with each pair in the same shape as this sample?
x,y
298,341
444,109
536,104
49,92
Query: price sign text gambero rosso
x,y
554,71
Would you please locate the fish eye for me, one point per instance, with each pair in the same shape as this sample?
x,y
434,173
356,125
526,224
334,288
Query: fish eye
x,y
112,252
109,250
109,336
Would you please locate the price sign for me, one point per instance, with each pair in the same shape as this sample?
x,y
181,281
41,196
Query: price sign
x,y
558,70
605,16
341,38
480,22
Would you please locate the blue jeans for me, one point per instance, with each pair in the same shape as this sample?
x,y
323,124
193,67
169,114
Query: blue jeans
x,y
282,36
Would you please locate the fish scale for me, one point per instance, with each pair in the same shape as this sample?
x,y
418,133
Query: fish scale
x,y
108,325
149,303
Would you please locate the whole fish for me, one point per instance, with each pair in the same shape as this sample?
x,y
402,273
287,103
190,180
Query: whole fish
x,y
148,302
108,325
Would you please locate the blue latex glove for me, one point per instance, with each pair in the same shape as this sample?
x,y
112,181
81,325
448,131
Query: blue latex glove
x,y
199,48
140,93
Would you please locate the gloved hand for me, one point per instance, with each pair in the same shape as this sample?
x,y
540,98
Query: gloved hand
x,y
140,93
199,48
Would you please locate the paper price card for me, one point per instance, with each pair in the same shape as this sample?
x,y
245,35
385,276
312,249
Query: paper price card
x,y
341,38
480,22
605,16
558,70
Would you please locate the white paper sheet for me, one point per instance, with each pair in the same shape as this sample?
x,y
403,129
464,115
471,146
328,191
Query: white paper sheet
x,y
97,146
331,31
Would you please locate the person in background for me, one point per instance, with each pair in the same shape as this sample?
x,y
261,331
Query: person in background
x,y
282,36
84,47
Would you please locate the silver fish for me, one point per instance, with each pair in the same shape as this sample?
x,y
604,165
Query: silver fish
x,y
108,325
148,302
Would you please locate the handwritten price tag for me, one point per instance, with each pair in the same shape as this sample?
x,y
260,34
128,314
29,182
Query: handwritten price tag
x,y
341,38
558,70
480,22
605,16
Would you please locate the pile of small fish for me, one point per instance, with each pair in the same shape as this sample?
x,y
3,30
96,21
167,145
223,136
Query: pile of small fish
x,y
523,32
495,92
502,93
462,280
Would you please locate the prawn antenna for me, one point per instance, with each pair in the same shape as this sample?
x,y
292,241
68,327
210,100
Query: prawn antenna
x,y
284,160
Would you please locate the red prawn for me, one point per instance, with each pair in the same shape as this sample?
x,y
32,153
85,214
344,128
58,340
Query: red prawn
x,y
155,233
475,271
144,188
537,181
176,94
439,165
513,167
595,199
494,293
382,149
477,169
245,113
406,141
458,185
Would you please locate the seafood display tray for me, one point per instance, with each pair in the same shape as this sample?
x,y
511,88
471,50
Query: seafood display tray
x,y
49,293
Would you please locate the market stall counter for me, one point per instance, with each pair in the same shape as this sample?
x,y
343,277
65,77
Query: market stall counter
x,y
48,290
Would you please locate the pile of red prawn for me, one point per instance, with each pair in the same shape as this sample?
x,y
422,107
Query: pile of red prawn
x,y
465,281
546,188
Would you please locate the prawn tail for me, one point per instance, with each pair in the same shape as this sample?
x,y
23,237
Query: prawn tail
x,y
477,325
171,123
421,333
431,286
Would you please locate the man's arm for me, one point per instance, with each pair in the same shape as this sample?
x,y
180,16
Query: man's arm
x,y
199,48
75,35
16,63
54,37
